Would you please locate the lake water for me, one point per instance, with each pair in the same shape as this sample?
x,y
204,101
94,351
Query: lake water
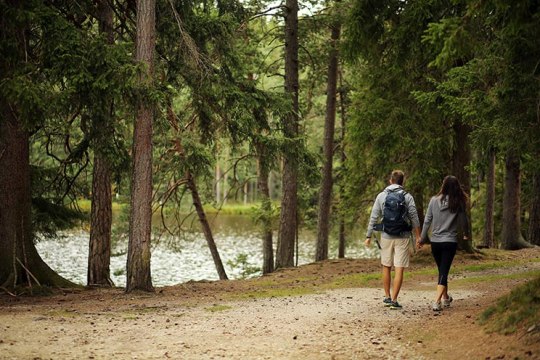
x,y
177,260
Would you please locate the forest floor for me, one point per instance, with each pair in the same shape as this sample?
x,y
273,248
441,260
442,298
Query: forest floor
x,y
326,310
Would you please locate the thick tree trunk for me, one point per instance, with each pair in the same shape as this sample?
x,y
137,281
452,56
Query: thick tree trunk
x,y
140,222
489,226
534,213
325,195
288,216
99,256
20,263
461,160
205,226
511,238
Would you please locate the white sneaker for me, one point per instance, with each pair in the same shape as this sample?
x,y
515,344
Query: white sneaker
x,y
437,306
447,302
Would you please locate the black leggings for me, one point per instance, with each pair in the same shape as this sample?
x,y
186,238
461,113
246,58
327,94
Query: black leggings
x,y
443,253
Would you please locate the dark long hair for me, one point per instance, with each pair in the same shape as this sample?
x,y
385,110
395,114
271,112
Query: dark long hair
x,y
456,197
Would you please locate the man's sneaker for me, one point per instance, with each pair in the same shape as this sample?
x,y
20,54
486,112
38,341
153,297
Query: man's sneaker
x,y
395,306
437,306
447,302
387,301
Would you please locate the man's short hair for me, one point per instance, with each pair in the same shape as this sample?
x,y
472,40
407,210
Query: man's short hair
x,y
397,177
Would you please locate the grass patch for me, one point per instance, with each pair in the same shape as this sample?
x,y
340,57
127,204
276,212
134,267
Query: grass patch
x,y
85,205
494,277
216,308
354,280
487,266
272,283
519,308
233,209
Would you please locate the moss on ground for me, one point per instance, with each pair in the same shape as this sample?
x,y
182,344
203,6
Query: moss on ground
x,y
520,308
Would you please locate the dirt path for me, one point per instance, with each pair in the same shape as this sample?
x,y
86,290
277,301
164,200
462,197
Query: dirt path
x,y
346,323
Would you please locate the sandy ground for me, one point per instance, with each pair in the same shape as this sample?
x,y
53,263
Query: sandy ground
x,y
200,321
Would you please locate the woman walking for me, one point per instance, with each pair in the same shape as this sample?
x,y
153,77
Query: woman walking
x,y
447,211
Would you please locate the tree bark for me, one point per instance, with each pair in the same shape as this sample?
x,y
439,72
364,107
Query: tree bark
x,y
140,222
534,213
511,238
99,257
266,207
342,98
325,195
288,215
489,226
461,160
205,226
20,263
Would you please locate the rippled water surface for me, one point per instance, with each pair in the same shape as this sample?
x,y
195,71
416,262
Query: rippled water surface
x,y
176,260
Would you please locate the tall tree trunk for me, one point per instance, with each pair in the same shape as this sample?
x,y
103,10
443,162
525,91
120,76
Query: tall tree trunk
x,y
325,195
289,203
20,263
99,257
489,226
342,98
140,222
534,213
205,226
511,238
266,207
461,160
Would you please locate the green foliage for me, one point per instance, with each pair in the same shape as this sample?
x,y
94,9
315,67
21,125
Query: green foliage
x,y
241,262
48,218
519,309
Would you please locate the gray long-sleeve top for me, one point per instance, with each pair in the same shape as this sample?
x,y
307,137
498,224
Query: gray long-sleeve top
x,y
378,207
444,223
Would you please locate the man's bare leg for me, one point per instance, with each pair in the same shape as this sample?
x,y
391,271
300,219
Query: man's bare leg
x,y
387,277
398,280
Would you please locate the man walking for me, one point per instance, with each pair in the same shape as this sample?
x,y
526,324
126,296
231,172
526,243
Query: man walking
x,y
399,216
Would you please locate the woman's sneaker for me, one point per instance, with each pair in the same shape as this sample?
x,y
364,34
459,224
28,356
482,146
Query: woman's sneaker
x,y
447,302
437,306
387,301
395,306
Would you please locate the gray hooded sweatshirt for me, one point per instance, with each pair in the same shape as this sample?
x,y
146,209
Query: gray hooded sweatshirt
x,y
444,222
377,212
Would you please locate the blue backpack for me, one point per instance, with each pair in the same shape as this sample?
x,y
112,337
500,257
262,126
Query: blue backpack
x,y
395,213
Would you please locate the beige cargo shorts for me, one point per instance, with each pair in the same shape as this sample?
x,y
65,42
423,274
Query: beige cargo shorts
x,y
395,252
